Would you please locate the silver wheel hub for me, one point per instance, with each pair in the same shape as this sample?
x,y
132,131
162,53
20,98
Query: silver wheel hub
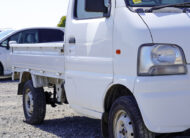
x,y
122,125
29,103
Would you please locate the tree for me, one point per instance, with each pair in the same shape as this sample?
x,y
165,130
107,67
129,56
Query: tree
x,y
62,22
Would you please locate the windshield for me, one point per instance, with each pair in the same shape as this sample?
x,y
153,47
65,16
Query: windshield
x,y
151,3
4,33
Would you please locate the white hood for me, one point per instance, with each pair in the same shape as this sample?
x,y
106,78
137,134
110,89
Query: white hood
x,y
172,28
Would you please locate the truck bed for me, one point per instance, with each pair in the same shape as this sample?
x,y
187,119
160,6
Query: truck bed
x,y
44,59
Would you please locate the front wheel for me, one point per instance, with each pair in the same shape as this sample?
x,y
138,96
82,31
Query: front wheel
x,y
125,120
34,103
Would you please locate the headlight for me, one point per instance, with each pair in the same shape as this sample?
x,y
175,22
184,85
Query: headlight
x,y
161,59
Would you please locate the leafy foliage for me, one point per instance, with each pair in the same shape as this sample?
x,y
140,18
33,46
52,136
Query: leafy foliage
x,y
62,22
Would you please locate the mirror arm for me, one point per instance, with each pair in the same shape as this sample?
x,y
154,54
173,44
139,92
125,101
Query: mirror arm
x,y
107,15
109,10
8,47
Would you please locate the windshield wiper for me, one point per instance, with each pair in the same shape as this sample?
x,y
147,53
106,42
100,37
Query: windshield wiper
x,y
186,4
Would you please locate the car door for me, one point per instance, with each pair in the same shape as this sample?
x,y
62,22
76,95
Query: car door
x,y
89,66
5,53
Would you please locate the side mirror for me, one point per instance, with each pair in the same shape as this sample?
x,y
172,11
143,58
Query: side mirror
x,y
96,6
11,43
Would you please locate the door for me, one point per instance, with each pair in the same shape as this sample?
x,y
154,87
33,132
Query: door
x,y
3,59
89,66
5,53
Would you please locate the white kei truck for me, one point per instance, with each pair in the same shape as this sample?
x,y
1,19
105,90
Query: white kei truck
x,y
125,62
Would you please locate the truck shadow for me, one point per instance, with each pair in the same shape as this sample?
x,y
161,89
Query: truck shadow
x,y
72,127
83,127
6,80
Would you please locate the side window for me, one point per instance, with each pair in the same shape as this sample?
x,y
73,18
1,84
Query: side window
x,y
29,37
81,13
14,37
5,43
50,35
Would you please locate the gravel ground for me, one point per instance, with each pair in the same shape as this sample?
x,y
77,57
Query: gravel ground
x,y
61,121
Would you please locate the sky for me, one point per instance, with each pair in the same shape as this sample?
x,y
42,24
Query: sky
x,y
18,14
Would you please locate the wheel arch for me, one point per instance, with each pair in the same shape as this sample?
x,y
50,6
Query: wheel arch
x,y
114,92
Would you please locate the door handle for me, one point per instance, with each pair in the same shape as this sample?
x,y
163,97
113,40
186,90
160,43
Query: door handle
x,y
72,40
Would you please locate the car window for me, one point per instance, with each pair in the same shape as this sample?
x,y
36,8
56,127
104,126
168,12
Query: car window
x,y
81,13
50,35
29,37
14,37
4,43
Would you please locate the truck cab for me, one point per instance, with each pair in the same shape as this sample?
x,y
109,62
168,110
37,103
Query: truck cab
x,y
132,47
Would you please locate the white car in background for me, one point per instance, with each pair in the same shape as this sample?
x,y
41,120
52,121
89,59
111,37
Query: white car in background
x,y
25,36
4,51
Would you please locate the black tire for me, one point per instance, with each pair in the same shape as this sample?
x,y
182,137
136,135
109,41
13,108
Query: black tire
x,y
1,70
39,103
128,105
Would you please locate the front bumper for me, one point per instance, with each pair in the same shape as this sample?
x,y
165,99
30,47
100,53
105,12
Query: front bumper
x,y
164,102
